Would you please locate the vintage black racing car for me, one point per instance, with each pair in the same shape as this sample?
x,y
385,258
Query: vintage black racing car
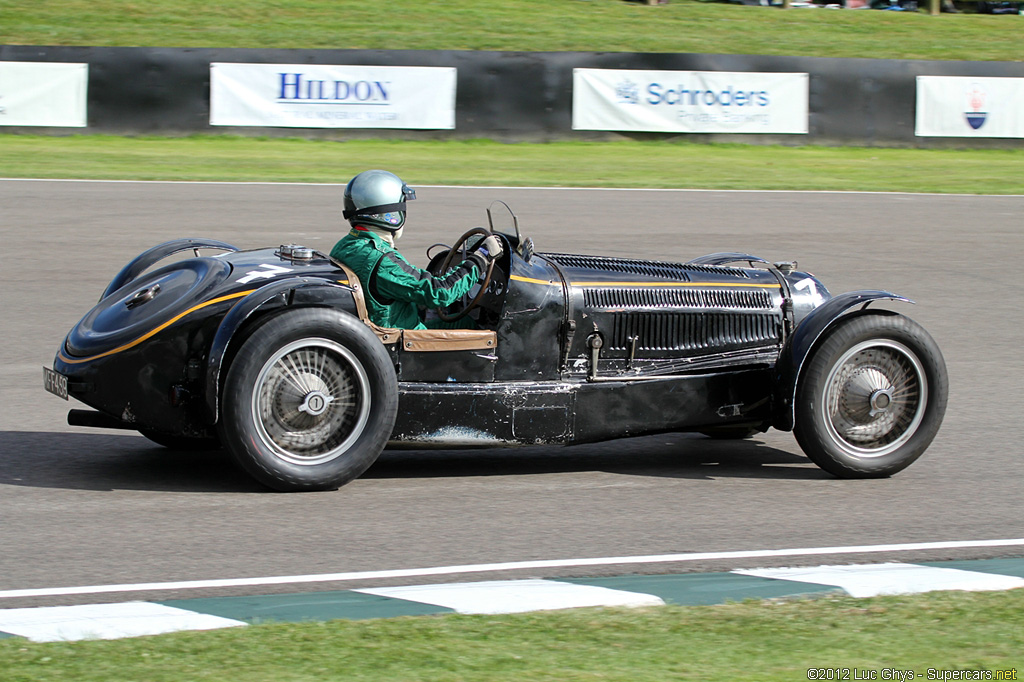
x,y
269,353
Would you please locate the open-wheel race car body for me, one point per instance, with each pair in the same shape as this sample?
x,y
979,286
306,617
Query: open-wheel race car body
x,y
270,354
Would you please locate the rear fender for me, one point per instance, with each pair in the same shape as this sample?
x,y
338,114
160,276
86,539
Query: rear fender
x,y
156,254
285,293
806,336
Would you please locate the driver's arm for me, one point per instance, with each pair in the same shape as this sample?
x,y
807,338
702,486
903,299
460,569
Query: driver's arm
x,y
398,279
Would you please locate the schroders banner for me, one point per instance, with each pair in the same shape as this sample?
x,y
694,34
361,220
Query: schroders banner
x,y
329,96
43,94
690,101
959,106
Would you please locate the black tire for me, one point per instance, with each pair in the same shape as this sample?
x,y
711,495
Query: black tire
x,y
182,443
871,397
309,401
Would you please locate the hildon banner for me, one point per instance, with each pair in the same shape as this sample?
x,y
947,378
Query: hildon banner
x,y
964,106
43,94
690,101
332,96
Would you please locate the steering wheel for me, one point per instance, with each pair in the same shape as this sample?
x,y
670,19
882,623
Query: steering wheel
x,y
460,243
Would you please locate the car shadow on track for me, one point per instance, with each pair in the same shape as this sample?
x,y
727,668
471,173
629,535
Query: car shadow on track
x,y
674,455
114,461
102,462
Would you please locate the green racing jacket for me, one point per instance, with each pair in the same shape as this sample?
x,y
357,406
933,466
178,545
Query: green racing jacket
x,y
394,288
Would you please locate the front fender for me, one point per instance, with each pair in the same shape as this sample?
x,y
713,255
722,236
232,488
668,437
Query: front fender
x,y
803,340
294,291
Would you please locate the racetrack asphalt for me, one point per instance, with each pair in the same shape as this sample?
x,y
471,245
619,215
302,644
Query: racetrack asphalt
x,y
87,507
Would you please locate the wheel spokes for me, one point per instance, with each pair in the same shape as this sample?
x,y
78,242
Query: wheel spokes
x,y
310,401
875,397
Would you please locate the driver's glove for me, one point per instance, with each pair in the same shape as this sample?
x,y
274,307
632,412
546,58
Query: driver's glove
x,y
485,252
490,248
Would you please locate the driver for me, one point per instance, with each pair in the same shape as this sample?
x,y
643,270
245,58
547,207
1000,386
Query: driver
x,y
394,289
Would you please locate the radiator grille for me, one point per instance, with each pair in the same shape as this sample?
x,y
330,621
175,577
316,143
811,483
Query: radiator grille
x,y
668,297
695,331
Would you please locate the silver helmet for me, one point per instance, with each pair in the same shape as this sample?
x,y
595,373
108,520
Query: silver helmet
x,y
377,198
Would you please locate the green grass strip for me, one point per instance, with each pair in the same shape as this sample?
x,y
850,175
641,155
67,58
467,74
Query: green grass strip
x,y
659,164
516,25
756,641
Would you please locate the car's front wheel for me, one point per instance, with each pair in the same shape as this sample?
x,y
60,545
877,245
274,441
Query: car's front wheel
x,y
872,396
309,401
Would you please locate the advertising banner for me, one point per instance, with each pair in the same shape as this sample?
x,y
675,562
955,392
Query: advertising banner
x,y
964,106
690,101
328,96
43,94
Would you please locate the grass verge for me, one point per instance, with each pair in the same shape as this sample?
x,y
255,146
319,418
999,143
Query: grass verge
x,y
517,25
659,164
760,641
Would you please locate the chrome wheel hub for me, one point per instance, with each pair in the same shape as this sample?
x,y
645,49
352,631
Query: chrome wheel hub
x,y
880,401
315,403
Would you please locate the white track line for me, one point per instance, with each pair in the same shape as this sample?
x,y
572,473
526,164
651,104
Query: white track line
x,y
517,187
507,566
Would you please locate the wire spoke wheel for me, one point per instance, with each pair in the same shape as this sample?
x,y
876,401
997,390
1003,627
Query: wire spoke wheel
x,y
872,396
311,401
875,397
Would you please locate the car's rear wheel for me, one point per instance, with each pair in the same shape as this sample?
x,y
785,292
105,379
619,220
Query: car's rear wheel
x,y
309,401
872,397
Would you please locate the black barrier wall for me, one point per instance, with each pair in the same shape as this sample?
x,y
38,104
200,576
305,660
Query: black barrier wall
x,y
511,96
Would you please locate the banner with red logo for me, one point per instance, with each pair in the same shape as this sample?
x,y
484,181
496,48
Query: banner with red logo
x,y
965,106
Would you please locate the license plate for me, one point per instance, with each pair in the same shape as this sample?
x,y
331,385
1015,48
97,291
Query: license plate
x,y
55,383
